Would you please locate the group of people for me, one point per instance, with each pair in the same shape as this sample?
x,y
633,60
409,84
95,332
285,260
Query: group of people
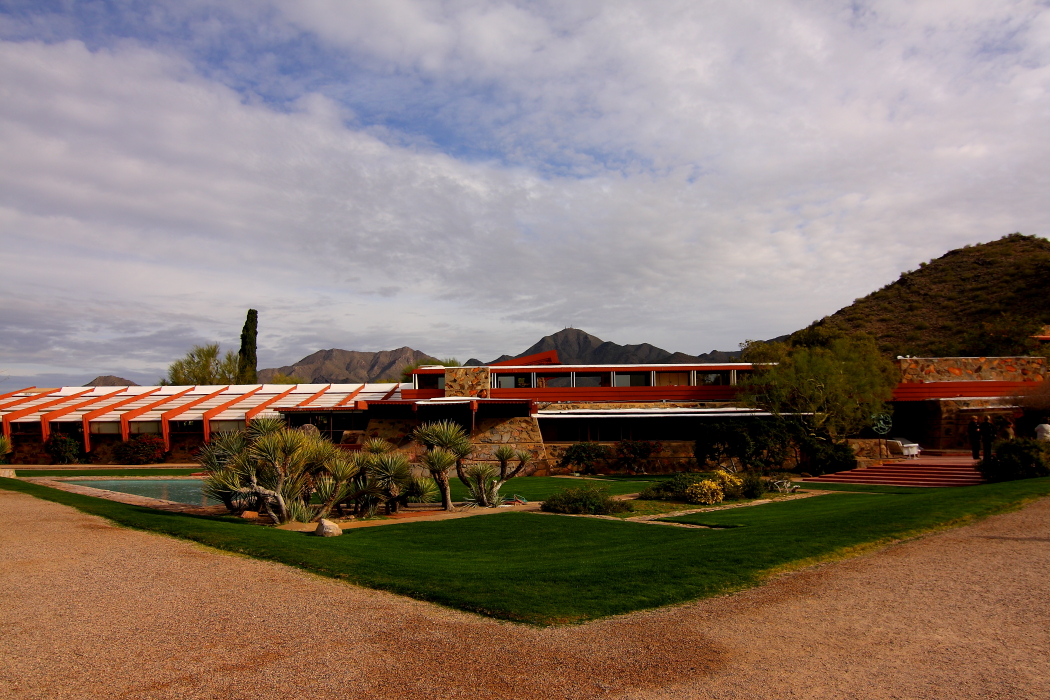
x,y
982,434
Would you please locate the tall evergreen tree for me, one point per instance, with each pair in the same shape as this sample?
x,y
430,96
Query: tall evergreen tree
x,y
246,360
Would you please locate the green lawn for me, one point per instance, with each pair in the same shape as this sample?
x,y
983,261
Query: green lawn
x,y
549,569
537,488
865,488
105,472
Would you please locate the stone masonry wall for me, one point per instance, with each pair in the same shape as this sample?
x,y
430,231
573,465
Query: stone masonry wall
x,y
467,381
522,433
972,369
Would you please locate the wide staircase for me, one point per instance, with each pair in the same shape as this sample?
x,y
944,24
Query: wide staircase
x,y
927,470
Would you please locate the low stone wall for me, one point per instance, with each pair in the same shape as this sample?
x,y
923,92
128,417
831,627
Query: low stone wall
x,y
972,369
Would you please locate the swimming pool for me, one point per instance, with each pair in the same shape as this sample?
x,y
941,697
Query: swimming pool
x,y
178,490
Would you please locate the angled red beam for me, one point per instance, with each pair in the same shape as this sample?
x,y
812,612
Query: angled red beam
x,y
92,415
21,413
12,393
125,418
314,397
28,398
361,405
386,397
212,412
45,420
349,397
165,418
256,410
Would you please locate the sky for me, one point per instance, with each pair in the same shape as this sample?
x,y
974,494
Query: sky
x,y
466,176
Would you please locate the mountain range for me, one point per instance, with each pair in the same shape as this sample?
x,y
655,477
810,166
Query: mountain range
x,y
337,366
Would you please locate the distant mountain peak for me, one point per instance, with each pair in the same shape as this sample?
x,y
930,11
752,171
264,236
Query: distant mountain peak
x,y
110,380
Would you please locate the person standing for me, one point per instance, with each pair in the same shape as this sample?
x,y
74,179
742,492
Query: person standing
x,y
988,432
1042,431
973,430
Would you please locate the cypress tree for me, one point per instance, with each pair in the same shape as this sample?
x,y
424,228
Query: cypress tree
x,y
246,361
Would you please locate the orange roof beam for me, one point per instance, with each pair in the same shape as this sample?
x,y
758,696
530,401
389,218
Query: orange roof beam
x,y
314,397
125,418
165,418
256,410
212,412
45,419
35,396
12,393
349,397
387,395
92,415
22,413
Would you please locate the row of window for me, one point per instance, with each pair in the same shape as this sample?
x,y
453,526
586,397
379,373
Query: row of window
x,y
567,380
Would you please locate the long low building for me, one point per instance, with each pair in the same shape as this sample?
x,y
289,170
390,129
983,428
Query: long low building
x,y
532,403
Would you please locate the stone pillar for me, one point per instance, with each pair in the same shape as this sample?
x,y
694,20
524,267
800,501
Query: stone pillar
x,y
467,381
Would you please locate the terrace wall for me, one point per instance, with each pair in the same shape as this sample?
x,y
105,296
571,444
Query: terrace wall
x,y
972,369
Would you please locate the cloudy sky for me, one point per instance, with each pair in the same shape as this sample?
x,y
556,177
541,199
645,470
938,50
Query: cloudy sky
x,y
465,176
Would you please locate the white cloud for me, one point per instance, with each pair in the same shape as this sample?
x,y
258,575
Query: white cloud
x,y
688,175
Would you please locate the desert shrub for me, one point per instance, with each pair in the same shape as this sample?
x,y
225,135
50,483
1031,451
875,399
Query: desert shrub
x,y
584,500
142,449
1016,459
752,485
584,455
823,457
672,489
5,448
637,455
707,492
63,449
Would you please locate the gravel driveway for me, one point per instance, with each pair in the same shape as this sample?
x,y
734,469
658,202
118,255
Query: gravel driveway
x,y
90,610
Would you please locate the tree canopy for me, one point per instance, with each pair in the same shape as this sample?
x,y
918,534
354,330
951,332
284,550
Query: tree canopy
x,y
202,365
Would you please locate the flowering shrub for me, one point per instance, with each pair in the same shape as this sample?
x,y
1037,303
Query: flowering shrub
x,y
732,486
144,449
707,492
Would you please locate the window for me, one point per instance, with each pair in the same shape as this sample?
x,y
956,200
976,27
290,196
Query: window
x,y
151,427
672,379
431,381
633,378
553,381
512,381
593,379
712,378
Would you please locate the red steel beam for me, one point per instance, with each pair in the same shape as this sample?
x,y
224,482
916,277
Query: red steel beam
x,y
350,396
212,412
386,397
165,418
21,413
92,415
315,396
45,420
45,392
125,418
12,393
256,410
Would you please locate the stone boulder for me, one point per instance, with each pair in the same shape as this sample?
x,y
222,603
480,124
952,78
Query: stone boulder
x,y
326,528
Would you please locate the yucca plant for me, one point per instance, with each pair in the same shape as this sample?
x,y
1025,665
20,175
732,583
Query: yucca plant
x,y
392,474
482,486
438,461
448,435
5,448
504,454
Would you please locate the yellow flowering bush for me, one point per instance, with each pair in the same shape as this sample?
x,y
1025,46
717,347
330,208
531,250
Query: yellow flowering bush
x,y
707,492
732,486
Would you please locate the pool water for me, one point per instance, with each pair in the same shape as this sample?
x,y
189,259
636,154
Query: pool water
x,y
178,490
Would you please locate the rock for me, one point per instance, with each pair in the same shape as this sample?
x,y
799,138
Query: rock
x,y
250,515
310,429
326,528
7,473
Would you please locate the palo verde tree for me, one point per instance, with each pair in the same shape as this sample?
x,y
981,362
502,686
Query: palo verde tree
x,y
246,356
203,366
835,388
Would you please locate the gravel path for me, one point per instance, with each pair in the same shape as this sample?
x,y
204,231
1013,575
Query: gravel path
x,y
91,610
